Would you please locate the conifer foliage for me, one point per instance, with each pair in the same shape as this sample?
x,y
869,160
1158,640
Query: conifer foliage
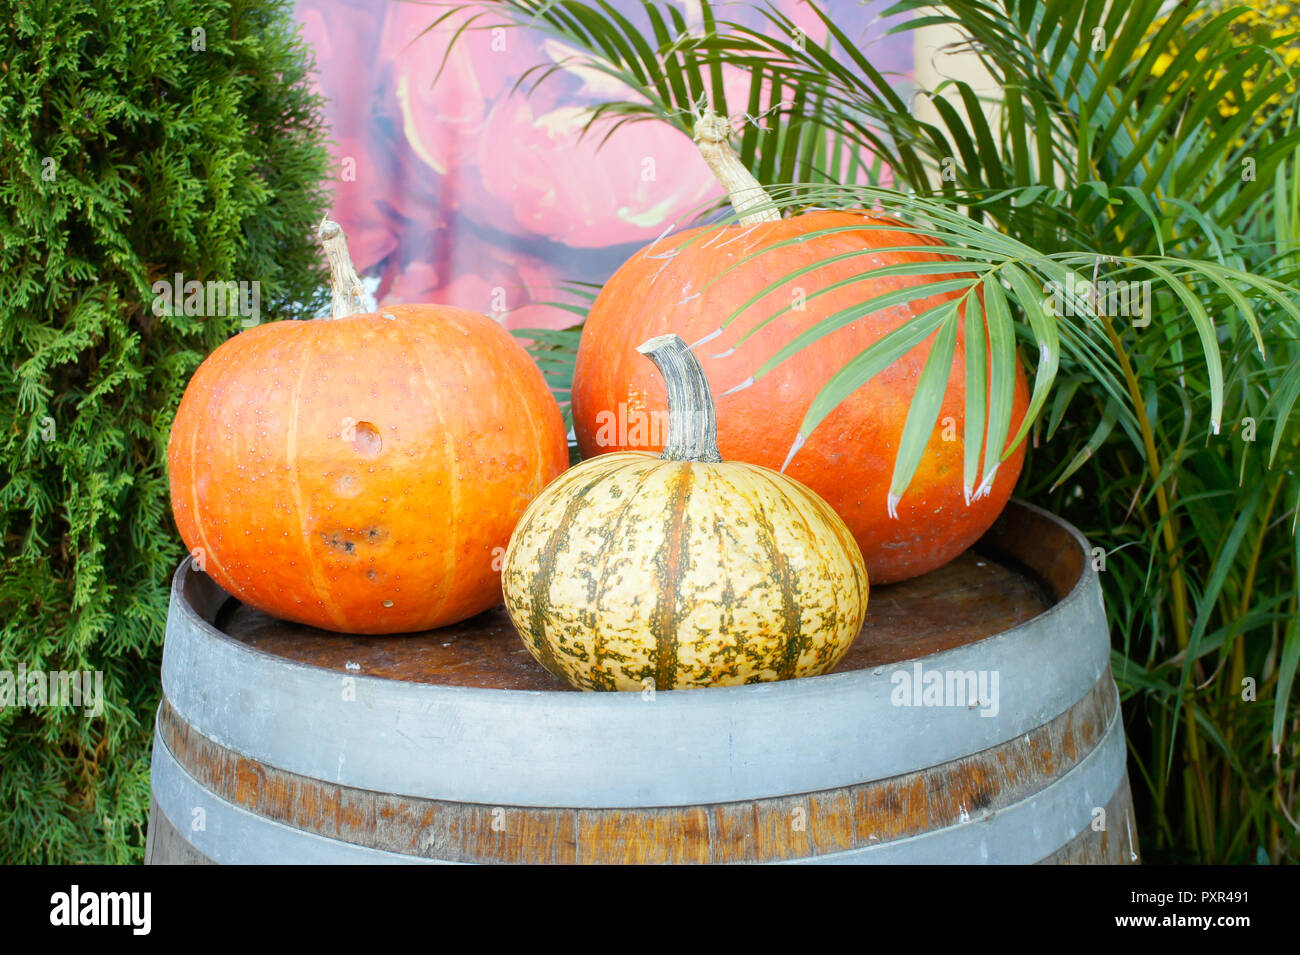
x,y
138,139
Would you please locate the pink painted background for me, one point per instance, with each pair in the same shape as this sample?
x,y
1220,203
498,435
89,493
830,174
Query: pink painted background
x,y
463,193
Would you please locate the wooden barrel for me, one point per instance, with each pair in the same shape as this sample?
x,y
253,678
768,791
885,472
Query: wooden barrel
x,y
975,720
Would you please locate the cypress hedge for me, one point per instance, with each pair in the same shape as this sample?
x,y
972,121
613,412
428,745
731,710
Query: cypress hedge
x,y
139,139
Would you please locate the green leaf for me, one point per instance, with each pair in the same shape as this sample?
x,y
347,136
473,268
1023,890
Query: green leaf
x,y
1002,349
924,409
1105,426
865,366
976,371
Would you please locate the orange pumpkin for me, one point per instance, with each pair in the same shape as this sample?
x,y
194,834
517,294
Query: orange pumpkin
x,y
363,473
619,400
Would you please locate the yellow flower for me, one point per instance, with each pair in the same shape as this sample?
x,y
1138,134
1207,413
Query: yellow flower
x,y
1262,17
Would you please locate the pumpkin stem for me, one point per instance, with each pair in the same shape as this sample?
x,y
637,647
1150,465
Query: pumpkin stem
x,y
344,281
745,192
692,422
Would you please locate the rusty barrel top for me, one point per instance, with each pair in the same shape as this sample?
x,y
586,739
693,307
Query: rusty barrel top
x,y
972,597
463,717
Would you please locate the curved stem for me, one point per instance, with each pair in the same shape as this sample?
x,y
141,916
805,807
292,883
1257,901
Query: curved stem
x,y
1169,528
692,423
745,192
344,282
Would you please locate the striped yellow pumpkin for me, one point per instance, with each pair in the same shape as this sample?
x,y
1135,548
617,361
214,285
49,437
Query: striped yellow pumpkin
x,y
634,571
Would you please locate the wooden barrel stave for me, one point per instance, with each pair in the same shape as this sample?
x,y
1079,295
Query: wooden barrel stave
x,y
1014,780
466,745
240,749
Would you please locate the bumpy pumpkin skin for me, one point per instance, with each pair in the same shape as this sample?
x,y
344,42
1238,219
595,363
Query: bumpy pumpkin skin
x,y
849,459
631,572
362,474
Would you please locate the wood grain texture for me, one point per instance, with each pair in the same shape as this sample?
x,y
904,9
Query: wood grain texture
x,y
1114,844
759,830
966,600
165,845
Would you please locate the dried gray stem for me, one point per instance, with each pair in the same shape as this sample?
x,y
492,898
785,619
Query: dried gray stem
x,y
692,422
745,192
344,281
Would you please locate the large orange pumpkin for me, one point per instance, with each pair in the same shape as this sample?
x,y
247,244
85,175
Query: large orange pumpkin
x,y
363,473
619,400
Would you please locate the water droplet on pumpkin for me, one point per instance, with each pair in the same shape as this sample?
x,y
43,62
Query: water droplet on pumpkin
x,y
388,603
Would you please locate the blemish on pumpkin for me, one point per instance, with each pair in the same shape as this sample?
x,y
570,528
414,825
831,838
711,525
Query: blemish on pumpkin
x,y
339,543
366,440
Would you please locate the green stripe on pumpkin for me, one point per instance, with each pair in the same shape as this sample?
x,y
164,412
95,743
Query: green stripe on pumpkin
x,y
672,563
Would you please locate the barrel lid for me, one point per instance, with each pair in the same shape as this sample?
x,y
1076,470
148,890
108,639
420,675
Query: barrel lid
x,y
972,597
452,713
